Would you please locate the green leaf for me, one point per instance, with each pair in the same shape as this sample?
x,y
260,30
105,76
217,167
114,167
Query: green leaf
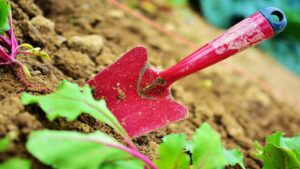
x,y
207,150
4,13
4,143
276,157
133,164
280,152
44,55
171,153
26,46
70,101
293,143
177,3
15,163
234,157
73,150
35,51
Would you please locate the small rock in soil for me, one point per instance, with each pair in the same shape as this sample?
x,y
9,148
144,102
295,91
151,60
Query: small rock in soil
x,y
232,126
30,7
106,58
43,24
42,68
74,64
90,45
116,14
257,94
42,31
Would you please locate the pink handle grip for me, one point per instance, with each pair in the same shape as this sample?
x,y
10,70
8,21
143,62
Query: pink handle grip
x,y
243,35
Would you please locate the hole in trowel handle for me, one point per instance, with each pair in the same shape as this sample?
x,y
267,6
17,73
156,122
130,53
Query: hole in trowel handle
x,y
277,16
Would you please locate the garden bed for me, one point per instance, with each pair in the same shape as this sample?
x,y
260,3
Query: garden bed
x,y
84,36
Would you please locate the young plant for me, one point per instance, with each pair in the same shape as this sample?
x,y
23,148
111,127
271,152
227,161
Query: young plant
x,y
280,152
13,163
205,148
70,101
9,47
98,150
88,151
4,143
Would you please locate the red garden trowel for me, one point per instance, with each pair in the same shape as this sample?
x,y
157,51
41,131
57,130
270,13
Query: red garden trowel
x,y
139,95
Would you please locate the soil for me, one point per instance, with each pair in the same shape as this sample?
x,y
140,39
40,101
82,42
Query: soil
x,y
238,109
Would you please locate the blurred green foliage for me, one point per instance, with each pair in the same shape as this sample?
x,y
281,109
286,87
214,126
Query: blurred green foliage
x,y
285,47
4,13
177,3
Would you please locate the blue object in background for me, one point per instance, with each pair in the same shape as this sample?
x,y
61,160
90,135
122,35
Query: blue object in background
x,y
285,47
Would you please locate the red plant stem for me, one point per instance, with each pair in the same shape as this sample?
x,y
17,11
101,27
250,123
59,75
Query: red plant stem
x,y
5,63
11,44
4,54
5,45
120,130
25,53
5,40
14,42
130,143
134,153
20,73
125,136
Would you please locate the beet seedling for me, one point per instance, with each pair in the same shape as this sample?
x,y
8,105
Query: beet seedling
x,y
13,163
204,151
10,48
70,101
280,152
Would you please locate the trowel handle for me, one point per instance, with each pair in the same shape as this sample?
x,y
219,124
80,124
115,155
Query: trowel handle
x,y
256,28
